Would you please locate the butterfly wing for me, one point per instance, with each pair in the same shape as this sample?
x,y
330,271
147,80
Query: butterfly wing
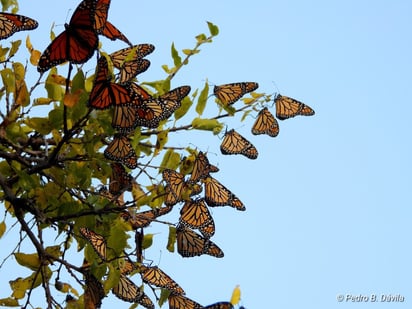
x,y
156,276
287,107
196,215
77,43
216,194
174,186
220,305
96,240
230,93
234,143
12,23
177,301
265,123
120,150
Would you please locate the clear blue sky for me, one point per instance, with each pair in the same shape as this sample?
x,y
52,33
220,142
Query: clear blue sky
x,y
328,200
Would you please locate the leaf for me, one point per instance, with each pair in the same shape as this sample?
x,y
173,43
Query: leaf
x,y
21,96
41,125
184,108
9,302
201,38
31,261
175,55
70,99
214,30
2,228
207,124
147,241
162,139
35,56
14,48
42,101
171,239
171,159
201,101
8,78
234,300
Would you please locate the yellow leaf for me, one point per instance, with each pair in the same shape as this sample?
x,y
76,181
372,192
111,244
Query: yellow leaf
x,y
2,228
42,101
34,56
9,302
58,79
31,261
22,96
161,141
234,300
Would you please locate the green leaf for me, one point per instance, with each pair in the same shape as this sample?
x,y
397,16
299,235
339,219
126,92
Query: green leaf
x,y
2,228
147,241
9,302
207,124
9,81
171,159
175,55
201,38
184,108
41,125
30,261
201,101
14,48
171,239
214,30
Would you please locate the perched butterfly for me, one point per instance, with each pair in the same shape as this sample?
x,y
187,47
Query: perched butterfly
x,y
105,93
154,275
217,194
175,183
76,43
120,180
11,23
154,110
190,244
196,215
120,150
234,143
94,292
287,108
265,124
103,26
130,292
129,61
220,305
144,218
177,301
201,168
126,267
97,241
230,93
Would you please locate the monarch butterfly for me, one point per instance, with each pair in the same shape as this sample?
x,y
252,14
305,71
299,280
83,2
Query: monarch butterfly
x,y
105,93
230,93
196,215
174,186
120,180
126,267
181,302
217,194
11,23
120,150
287,108
128,291
103,26
129,61
76,43
96,240
265,124
201,168
234,143
154,275
220,305
94,292
190,244
144,218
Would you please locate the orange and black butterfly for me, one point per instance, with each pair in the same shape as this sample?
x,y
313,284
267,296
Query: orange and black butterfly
x,y
94,292
196,215
201,168
12,23
190,244
265,123
120,180
96,240
76,43
154,275
120,150
287,107
217,194
144,218
230,93
129,61
177,301
125,115
220,305
175,183
126,267
234,143
103,26
154,110
105,93
130,292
